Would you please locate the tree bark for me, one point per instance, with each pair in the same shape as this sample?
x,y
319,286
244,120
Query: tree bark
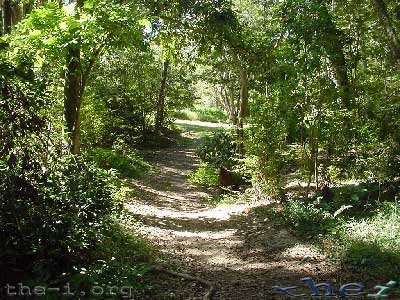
x,y
7,16
332,40
235,110
16,15
75,79
394,42
73,97
161,98
243,107
27,8
229,105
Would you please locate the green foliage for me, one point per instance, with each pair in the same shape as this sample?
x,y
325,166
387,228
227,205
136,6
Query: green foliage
x,y
205,175
52,28
180,93
309,218
202,113
121,158
344,202
121,260
374,242
267,143
95,123
53,205
220,162
121,95
364,232
219,149
337,132
324,107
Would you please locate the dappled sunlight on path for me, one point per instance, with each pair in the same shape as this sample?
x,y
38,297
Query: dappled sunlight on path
x,y
230,245
224,212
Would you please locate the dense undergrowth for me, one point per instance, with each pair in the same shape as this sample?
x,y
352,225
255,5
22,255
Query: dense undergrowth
x,y
122,158
357,224
60,213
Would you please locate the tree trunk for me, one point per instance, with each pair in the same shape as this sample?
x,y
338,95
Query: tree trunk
x,y
27,8
332,41
16,15
316,156
7,16
228,102
244,107
394,42
75,80
234,106
161,98
73,97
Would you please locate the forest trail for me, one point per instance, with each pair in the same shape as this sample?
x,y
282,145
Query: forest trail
x,y
237,249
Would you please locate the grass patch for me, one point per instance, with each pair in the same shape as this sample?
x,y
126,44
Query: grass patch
x,y
202,113
200,132
129,163
374,242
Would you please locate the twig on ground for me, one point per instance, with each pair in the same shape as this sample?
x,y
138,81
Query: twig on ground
x,y
211,287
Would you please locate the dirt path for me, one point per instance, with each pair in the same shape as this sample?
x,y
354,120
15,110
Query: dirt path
x,y
233,246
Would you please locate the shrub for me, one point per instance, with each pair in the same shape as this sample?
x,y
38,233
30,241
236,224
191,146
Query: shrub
x,y
121,158
53,206
368,235
219,149
121,260
308,218
205,175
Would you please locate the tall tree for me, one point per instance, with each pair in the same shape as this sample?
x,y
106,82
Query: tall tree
x,y
73,90
243,103
7,16
17,13
161,97
332,40
386,21
74,87
83,52
12,14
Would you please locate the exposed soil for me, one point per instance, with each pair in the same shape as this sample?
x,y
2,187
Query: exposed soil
x,y
239,250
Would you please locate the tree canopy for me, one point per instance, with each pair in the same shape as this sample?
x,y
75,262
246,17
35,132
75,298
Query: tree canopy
x,y
307,89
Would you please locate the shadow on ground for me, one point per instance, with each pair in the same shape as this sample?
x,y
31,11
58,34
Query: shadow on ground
x,y
243,253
